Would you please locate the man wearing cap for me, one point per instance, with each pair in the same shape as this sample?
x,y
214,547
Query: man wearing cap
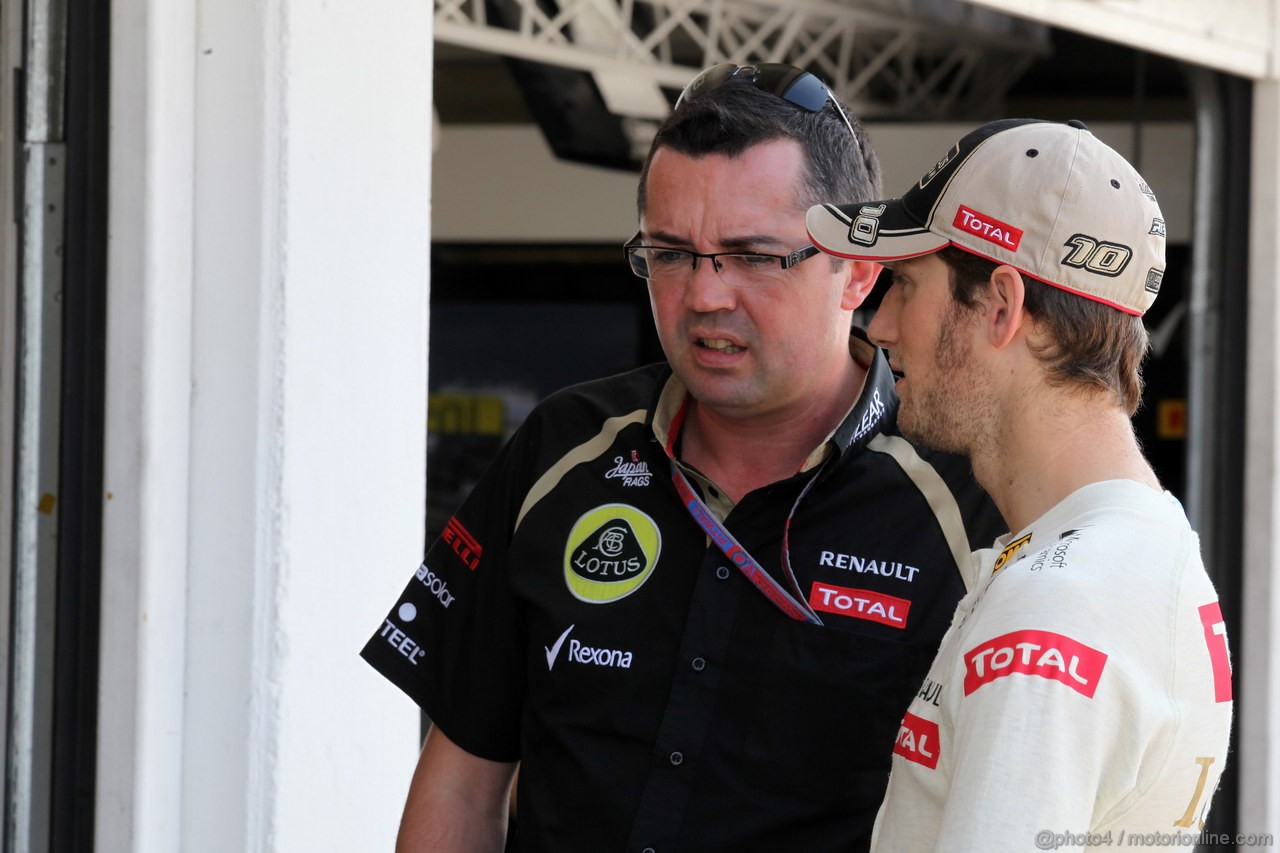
x,y
692,601
1083,691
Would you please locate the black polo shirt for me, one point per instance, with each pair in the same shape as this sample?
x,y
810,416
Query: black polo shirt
x,y
574,617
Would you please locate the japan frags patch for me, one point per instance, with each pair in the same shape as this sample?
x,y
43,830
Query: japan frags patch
x,y
610,553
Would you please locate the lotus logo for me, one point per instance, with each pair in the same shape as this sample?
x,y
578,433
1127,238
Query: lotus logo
x,y
610,553
613,541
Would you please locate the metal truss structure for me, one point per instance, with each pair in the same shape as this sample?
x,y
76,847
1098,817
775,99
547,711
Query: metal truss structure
x,y
888,59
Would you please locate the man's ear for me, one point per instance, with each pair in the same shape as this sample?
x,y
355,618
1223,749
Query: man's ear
x,y
1005,316
862,278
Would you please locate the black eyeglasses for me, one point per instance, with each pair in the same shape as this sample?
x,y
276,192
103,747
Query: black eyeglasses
x,y
793,85
663,264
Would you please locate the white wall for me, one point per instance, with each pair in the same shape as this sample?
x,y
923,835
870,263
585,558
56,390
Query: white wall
x,y
501,182
1237,37
355,250
266,405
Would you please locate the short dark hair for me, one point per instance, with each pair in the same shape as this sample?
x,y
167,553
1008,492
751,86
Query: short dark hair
x,y
1089,344
736,116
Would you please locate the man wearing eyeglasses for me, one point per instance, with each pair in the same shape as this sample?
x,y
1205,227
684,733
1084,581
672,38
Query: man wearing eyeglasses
x,y
693,601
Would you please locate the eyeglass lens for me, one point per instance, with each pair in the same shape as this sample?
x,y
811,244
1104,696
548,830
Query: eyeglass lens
x,y
740,269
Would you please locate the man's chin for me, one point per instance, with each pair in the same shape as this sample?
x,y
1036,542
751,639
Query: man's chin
x,y
927,435
725,394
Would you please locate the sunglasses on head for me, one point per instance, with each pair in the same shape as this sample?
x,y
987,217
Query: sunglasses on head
x,y
793,85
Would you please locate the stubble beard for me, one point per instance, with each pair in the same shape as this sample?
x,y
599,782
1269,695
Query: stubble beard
x,y
946,415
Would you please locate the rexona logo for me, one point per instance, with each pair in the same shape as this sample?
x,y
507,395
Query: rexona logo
x,y
579,653
610,553
1042,653
918,741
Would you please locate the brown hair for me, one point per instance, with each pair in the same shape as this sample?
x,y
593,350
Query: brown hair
x,y
1087,343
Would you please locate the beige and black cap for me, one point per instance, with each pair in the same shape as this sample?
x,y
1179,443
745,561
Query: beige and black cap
x,y
1048,199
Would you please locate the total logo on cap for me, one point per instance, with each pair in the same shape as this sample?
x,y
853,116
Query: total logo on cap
x,y
1048,199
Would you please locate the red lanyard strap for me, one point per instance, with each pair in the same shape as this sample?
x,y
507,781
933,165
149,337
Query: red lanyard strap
x,y
740,557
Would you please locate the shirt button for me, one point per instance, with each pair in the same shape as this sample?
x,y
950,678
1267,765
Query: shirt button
x,y
699,664
723,573
677,758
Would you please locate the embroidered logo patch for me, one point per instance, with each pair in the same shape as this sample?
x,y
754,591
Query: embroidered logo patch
x,y
633,473
462,543
988,228
610,553
860,604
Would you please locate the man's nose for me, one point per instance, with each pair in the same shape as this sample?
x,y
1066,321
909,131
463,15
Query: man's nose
x,y
883,328
707,290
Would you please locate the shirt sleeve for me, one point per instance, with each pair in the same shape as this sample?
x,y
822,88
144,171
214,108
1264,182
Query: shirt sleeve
x,y
452,641
1025,759
1047,733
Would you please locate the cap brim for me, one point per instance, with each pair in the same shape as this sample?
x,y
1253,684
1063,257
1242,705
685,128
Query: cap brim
x,y
870,231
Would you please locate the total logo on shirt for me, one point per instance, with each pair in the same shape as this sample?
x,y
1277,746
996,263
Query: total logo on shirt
x,y
1038,653
860,604
918,741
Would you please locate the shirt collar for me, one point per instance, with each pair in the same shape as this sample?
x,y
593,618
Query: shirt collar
x,y
875,407
668,412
